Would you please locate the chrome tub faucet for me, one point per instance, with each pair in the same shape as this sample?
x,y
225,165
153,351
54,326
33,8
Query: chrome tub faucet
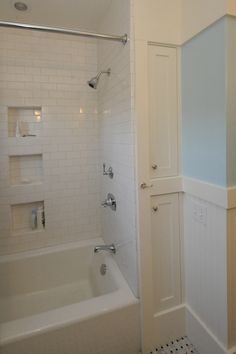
x,y
109,248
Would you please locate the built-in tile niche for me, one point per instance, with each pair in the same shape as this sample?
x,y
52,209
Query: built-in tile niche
x,y
28,217
24,121
26,169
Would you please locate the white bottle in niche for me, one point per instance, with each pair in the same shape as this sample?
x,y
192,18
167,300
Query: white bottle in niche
x,y
18,130
33,220
40,218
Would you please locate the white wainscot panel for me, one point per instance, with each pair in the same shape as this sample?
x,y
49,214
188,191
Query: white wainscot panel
x,y
206,264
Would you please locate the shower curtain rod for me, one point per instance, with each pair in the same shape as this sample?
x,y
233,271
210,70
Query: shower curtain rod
x,y
110,37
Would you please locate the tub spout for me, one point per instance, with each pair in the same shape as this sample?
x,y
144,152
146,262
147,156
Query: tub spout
x,y
109,248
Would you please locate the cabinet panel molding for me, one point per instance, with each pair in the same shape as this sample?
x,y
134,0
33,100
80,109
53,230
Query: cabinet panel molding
x,y
163,111
166,266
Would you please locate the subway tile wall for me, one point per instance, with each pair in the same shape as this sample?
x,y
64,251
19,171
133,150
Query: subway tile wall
x,y
115,109
50,72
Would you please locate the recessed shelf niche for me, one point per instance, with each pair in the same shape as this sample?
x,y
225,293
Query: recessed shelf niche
x,y
27,217
26,169
24,121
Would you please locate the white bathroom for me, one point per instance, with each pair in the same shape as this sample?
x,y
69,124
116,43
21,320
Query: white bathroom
x,y
117,177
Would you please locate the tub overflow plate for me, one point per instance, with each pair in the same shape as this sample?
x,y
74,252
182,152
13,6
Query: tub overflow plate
x,y
103,269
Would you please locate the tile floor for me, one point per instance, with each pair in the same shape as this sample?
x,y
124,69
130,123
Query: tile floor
x,y
179,346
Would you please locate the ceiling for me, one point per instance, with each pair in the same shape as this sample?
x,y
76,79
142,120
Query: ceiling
x,y
83,14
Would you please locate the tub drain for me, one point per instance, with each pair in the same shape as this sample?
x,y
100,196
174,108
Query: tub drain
x,y
103,269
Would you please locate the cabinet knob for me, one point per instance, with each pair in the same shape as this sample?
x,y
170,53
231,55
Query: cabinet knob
x,y
145,185
154,166
155,208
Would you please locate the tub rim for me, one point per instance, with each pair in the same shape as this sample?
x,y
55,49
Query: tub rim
x,y
26,327
49,249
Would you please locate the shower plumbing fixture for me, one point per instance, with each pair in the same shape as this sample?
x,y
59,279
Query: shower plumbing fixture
x,y
95,80
110,248
23,7
20,6
109,172
109,202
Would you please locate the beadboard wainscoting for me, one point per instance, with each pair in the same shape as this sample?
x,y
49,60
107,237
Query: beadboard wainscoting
x,y
206,312
209,248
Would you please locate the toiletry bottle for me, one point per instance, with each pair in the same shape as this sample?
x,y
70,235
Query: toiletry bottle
x,y
18,132
33,219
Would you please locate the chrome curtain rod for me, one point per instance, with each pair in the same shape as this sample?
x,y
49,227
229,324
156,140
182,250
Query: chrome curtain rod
x,y
110,37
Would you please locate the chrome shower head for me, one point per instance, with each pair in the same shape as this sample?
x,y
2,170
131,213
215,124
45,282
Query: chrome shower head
x,y
95,80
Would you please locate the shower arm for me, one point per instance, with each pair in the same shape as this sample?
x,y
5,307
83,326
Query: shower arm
x,y
108,72
123,39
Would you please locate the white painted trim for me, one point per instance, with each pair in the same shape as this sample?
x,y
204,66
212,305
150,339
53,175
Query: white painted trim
x,y
209,192
221,196
166,312
200,335
162,44
166,185
231,197
180,109
142,171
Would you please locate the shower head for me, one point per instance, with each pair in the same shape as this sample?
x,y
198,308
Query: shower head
x,y
94,81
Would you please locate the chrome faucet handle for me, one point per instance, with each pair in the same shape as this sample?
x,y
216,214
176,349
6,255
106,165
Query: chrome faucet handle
x,y
109,172
109,202
112,248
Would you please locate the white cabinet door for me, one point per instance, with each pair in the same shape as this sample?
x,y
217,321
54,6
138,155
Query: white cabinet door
x,y
165,237
163,111
156,106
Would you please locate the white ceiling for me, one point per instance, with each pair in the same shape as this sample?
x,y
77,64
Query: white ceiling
x,y
83,14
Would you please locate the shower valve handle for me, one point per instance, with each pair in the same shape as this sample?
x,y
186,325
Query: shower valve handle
x,y
109,202
109,172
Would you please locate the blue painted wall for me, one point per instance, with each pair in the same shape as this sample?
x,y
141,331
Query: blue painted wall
x,y
231,94
204,105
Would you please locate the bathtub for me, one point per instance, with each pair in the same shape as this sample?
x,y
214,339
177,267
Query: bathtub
x,y
57,300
